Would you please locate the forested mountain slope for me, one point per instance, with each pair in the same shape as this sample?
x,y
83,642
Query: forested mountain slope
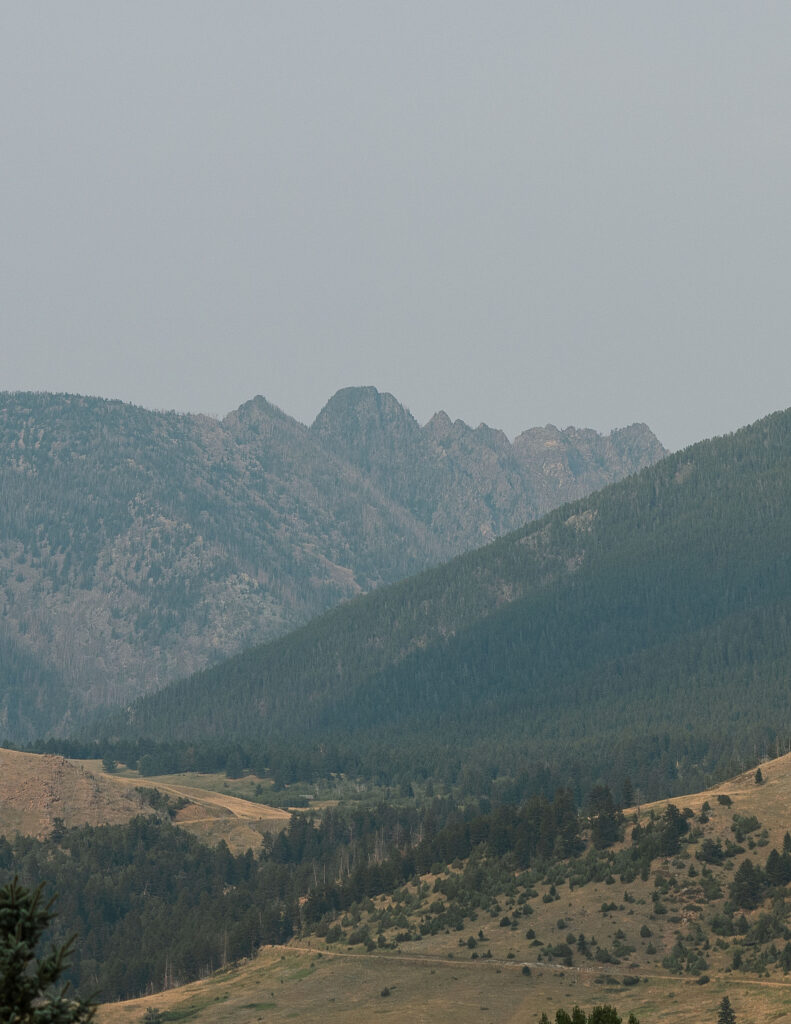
x,y
138,546
645,630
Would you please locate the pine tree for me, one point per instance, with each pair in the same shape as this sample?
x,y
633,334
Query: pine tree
x,y
604,1015
27,984
746,889
726,1014
603,817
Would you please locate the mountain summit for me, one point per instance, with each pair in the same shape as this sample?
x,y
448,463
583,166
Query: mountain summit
x,y
471,485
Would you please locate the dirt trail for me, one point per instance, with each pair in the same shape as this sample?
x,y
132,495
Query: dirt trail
x,y
429,960
234,805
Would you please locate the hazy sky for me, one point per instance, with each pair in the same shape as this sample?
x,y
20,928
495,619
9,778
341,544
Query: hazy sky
x,y
520,212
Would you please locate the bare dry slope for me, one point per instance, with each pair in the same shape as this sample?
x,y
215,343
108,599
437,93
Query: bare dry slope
x,y
35,789
283,984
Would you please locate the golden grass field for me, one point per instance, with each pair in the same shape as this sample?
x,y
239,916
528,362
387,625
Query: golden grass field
x,y
294,984
213,814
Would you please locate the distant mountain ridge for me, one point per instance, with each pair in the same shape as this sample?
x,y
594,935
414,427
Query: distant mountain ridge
x,y
137,546
643,631
471,485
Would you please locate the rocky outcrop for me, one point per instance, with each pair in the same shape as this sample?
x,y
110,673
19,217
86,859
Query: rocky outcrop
x,y
469,485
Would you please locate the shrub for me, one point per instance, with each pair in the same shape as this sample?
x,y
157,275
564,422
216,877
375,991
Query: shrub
x,y
743,824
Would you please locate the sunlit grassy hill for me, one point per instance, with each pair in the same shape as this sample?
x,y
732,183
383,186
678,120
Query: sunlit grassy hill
x,y
36,790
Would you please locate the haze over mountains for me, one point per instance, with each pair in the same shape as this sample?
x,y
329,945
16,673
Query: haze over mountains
x,y
644,630
138,546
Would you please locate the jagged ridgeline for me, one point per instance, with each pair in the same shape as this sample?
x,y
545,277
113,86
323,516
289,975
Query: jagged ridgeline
x,y
644,631
137,547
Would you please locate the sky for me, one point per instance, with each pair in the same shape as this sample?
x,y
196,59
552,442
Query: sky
x,y
518,212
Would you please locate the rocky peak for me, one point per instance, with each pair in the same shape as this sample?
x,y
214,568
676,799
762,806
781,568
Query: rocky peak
x,y
439,426
261,418
638,443
493,438
360,418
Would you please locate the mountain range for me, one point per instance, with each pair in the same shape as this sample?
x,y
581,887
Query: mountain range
x,y
137,547
643,631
